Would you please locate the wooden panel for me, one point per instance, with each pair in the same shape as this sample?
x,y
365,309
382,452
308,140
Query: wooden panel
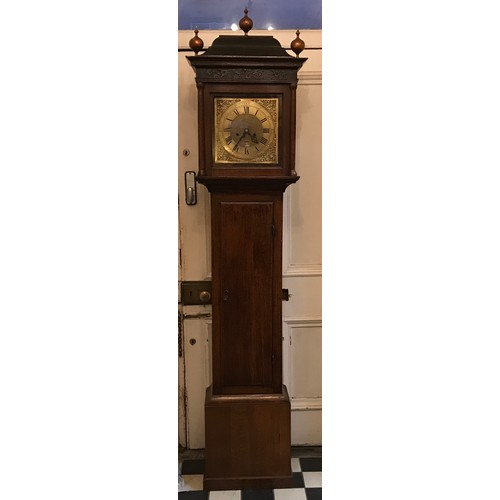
x,y
247,442
197,341
246,290
305,373
246,283
302,361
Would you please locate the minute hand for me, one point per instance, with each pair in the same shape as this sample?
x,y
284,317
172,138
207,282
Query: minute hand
x,y
245,132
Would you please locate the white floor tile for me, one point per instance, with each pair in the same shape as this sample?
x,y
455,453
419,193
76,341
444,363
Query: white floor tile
x,y
191,482
312,479
290,494
225,495
295,465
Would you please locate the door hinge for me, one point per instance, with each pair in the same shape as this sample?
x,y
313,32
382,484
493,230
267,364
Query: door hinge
x,y
179,335
197,315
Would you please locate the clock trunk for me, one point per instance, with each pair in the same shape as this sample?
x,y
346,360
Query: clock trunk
x,y
246,286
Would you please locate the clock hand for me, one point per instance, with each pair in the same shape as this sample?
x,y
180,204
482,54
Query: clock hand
x,y
239,140
245,132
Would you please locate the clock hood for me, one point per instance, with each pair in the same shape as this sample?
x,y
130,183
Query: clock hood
x,y
234,51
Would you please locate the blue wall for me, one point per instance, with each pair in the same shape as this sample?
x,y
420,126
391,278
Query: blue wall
x,y
221,14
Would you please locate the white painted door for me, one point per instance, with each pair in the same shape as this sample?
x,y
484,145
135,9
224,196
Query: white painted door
x,y
301,257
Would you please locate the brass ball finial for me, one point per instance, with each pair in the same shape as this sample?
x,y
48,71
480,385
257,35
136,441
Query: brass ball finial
x,y
246,23
196,43
297,44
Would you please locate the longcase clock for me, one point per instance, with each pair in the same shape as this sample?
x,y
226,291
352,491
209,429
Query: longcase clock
x,y
246,130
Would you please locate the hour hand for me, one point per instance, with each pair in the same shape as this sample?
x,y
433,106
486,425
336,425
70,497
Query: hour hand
x,y
239,140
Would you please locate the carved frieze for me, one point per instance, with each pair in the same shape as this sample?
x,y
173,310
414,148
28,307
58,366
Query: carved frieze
x,y
246,75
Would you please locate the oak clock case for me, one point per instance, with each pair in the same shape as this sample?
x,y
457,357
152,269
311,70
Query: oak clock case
x,y
246,136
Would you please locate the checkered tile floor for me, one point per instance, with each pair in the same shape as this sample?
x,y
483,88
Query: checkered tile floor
x,y
306,478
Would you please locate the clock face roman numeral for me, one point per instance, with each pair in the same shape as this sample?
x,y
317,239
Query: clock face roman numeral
x,y
263,140
247,110
236,112
247,151
236,148
229,139
265,130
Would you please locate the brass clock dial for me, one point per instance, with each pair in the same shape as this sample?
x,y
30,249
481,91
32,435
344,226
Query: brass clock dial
x,y
246,130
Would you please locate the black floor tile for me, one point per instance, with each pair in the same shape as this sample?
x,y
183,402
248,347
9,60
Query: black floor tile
x,y
257,495
193,467
298,480
310,464
313,493
193,495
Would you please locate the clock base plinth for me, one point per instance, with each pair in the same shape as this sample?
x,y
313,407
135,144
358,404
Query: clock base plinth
x,y
247,441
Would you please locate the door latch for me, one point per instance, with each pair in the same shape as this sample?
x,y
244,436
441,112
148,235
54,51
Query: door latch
x,y
196,292
190,188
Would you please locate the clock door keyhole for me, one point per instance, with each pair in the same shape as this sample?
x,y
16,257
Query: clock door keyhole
x,y
225,295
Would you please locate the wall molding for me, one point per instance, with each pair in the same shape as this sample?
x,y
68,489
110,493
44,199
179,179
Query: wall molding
x,y
303,270
303,320
309,77
306,404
